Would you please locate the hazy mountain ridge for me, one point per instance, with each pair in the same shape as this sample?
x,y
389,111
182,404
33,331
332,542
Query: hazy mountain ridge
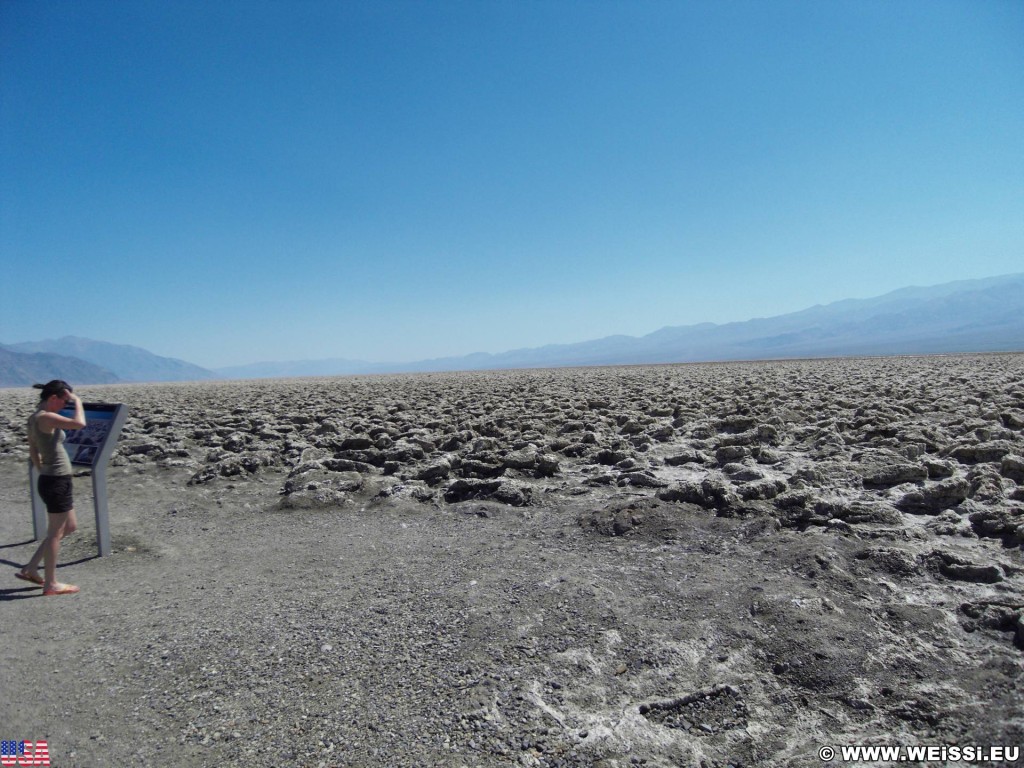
x,y
128,363
965,316
18,369
985,315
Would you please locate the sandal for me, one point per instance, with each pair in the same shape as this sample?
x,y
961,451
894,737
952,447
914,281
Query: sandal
x,y
61,589
29,577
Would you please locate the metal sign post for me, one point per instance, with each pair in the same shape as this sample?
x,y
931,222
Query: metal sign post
x,y
89,447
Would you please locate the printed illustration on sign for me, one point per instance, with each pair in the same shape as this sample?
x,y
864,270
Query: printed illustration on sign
x,y
83,445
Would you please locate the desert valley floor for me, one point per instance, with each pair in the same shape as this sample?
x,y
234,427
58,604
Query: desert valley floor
x,y
712,565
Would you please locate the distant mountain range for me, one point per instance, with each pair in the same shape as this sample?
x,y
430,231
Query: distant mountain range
x,y
21,369
85,361
984,315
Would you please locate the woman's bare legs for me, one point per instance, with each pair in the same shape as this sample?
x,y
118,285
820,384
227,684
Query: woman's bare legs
x,y
60,525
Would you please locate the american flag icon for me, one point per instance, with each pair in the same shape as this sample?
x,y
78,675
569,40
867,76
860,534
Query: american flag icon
x,y
24,753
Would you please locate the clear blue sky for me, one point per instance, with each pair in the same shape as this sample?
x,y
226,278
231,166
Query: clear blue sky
x,y
237,181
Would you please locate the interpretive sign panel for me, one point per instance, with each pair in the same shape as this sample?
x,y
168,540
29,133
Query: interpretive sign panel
x,y
84,446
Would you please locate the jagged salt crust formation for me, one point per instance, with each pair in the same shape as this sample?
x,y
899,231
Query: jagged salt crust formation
x,y
722,564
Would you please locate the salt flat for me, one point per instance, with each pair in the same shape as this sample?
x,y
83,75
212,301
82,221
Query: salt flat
x,y
722,564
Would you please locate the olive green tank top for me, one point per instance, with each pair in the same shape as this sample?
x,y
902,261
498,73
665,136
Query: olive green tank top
x,y
54,457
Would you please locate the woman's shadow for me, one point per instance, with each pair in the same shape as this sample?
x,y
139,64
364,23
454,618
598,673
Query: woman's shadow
x,y
23,593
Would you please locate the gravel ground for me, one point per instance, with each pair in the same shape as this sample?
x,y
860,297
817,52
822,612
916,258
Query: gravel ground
x,y
709,565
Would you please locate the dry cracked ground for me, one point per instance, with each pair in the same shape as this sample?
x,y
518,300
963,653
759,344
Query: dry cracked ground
x,y
694,565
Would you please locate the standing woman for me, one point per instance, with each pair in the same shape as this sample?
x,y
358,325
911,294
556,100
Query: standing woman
x,y
46,447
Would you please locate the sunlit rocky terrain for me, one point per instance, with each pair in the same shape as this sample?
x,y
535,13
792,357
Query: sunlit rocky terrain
x,y
714,564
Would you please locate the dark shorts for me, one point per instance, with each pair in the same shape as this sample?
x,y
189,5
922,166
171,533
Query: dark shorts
x,y
55,491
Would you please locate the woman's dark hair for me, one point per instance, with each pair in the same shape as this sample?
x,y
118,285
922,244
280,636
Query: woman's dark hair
x,y
55,387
